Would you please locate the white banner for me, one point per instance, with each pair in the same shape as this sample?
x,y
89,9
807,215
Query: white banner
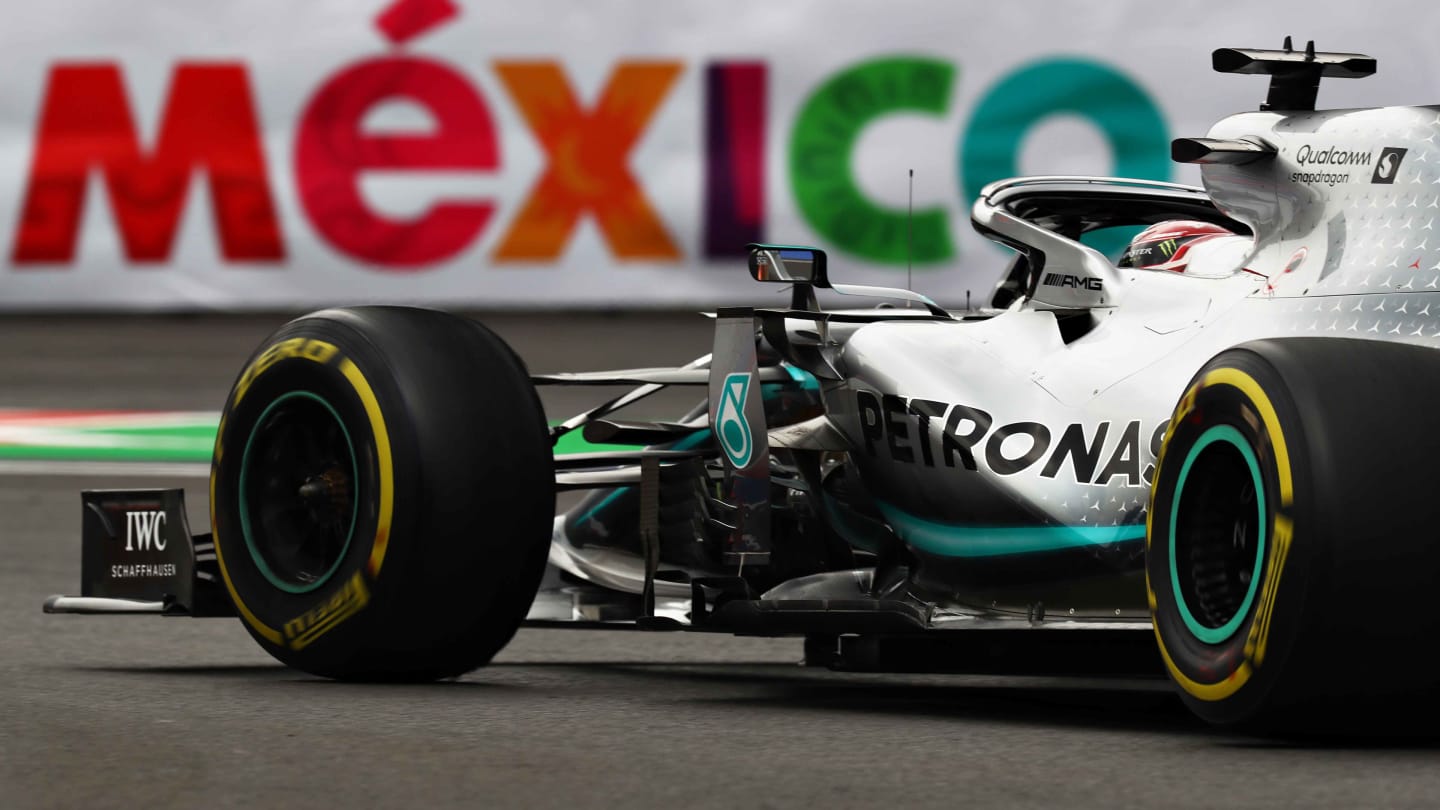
x,y
261,154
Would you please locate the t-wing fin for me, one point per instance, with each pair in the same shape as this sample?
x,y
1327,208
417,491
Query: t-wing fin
x,y
1213,150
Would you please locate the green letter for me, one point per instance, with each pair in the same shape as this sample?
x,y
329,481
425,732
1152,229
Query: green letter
x,y
820,171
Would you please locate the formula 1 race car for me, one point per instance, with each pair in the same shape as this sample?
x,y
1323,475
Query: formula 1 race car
x,y
1224,464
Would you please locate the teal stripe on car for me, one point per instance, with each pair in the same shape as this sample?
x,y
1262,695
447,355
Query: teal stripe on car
x,y
950,540
806,380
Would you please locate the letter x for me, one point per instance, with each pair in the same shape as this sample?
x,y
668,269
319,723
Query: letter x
x,y
587,150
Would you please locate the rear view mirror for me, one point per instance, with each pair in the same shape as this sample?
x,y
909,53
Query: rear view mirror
x,y
788,264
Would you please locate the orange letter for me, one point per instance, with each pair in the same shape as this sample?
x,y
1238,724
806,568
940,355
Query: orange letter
x,y
587,152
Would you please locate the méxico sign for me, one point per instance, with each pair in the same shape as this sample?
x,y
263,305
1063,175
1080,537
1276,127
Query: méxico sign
x,y
597,178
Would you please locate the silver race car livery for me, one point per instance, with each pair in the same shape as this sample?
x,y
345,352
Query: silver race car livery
x,y
1206,459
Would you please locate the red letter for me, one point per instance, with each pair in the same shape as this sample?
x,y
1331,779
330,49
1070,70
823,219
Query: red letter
x,y
209,122
587,150
332,151
404,20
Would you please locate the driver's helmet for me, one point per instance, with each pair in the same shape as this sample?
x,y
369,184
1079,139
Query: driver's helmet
x,y
1166,245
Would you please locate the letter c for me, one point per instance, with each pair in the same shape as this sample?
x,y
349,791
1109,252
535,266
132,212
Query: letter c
x,y
823,140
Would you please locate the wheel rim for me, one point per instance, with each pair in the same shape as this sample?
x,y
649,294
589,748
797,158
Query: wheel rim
x,y
299,471
1217,534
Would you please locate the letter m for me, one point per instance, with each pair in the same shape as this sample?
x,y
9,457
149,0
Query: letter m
x,y
208,123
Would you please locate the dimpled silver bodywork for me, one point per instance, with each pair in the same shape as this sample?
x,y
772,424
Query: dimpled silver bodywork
x,y
1344,216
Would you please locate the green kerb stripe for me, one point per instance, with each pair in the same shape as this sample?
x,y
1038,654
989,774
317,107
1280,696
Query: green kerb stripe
x,y
180,443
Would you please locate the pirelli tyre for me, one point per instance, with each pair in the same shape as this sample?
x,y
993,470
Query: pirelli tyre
x,y
381,494
1294,535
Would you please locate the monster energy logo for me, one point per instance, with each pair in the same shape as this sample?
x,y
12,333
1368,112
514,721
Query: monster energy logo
x,y
1168,247
731,427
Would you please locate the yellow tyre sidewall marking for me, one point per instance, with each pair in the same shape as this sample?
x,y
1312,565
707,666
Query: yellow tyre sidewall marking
x,y
1257,640
382,452
318,352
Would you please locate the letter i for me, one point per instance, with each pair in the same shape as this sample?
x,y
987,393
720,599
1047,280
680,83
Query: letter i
x,y
735,101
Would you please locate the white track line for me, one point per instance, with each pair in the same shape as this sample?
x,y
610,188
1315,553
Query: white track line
x,y
118,420
137,469
27,436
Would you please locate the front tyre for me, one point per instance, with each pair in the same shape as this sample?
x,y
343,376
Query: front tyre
x,y
381,494
1292,548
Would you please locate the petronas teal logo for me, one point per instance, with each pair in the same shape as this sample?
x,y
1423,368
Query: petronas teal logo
x,y
731,428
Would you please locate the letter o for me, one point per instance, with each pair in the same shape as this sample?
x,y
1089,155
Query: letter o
x,y
1039,443
1125,114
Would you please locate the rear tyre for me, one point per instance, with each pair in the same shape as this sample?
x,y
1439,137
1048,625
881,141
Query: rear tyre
x,y
382,494
1293,539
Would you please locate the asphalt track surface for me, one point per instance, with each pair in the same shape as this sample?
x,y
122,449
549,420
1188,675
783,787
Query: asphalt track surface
x,y
142,712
